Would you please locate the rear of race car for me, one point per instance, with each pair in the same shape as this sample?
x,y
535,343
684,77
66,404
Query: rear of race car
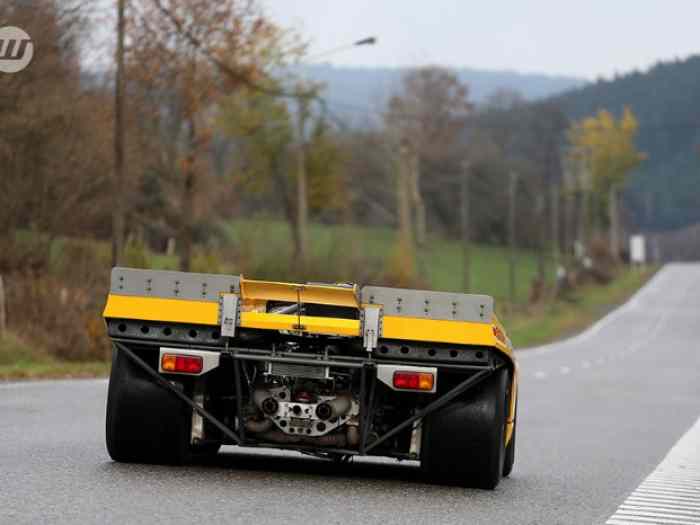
x,y
336,371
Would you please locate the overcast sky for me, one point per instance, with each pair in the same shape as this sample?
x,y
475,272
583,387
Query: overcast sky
x,y
587,38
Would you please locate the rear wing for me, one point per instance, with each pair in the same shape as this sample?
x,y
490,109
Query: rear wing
x,y
372,313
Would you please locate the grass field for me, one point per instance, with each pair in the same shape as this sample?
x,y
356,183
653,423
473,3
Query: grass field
x,y
20,360
262,249
440,262
556,320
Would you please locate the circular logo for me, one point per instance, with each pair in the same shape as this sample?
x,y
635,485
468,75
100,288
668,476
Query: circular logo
x,y
16,49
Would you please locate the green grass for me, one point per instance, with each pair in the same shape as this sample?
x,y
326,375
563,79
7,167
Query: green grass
x,y
440,262
263,249
564,318
19,360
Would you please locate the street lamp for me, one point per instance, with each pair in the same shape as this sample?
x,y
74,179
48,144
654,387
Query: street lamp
x,y
304,96
369,41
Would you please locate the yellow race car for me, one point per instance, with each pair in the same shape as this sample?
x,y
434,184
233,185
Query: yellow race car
x,y
334,370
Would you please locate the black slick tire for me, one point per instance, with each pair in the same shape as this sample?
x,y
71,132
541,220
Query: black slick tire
x,y
463,443
145,423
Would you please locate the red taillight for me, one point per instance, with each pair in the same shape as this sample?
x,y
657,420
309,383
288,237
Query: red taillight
x,y
498,333
413,380
183,364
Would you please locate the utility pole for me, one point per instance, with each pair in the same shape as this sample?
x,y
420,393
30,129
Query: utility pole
x,y
118,175
465,226
404,198
302,196
614,218
556,195
416,196
583,179
569,222
304,97
541,215
512,197
3,311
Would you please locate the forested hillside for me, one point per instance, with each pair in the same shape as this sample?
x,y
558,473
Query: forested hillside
x,y
662,193
353,92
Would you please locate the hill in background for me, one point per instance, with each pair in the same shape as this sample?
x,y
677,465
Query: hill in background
x,y
664,193
359,94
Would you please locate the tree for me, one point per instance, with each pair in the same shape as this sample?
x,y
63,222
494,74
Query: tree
x,y
261,127
606,145
665,98
426,118
48,120
199,51
546,132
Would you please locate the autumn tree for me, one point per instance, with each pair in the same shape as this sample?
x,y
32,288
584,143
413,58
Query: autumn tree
x,y
262,129
48,120
606,146
197,51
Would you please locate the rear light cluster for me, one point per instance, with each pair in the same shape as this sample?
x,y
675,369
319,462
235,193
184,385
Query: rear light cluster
x,y
498,333
413,380
182,364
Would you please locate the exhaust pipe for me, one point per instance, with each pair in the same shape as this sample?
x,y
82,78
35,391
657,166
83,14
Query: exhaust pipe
x,y
265,402
334,408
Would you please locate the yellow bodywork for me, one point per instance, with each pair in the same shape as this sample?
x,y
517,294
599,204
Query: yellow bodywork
x,y
255,294
255,291
165,310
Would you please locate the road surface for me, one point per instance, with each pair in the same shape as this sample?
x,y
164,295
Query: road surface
x,y
598,414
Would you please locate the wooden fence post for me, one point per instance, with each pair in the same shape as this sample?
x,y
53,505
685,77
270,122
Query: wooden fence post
x,y
3,311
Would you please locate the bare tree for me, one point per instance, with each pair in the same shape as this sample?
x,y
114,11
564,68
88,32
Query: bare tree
x,y
428,115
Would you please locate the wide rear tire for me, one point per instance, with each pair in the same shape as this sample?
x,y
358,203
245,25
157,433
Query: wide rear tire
x,y
145,423
463,443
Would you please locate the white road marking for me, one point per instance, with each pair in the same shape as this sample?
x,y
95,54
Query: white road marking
x,y
660,501
666,515
670,494
540,374
629,520
687,512
673,485
666,490
684,491
565,370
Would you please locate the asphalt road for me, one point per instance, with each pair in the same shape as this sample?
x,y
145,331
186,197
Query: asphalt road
x,y
597,414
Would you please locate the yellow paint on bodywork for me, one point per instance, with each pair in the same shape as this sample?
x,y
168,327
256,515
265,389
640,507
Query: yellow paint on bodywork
x,y
207,313
157,309
305,293
438,331
314,325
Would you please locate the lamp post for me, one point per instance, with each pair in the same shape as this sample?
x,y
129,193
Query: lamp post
x,y
118,168
369,41
304,97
